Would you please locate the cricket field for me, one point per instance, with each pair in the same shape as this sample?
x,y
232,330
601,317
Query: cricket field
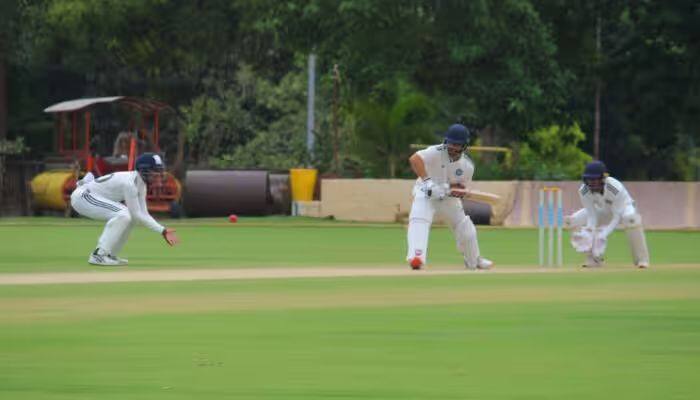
x,y
294,308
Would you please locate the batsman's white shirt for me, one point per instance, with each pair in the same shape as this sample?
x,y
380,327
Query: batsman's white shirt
x,y
614,200
127,187
443,171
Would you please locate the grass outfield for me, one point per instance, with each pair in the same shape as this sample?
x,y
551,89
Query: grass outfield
x,y
615,333
57,244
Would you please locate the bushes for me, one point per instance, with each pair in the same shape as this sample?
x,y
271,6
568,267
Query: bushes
x,y
250,122
551,153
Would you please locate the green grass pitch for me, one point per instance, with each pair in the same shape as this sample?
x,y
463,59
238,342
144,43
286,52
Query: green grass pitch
x,y
615,333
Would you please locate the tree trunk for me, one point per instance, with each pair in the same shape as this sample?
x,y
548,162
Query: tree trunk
x,y
3,115
596,126
179,167
3,88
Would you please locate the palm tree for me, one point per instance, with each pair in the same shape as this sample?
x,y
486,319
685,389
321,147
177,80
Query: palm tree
x,y
393,118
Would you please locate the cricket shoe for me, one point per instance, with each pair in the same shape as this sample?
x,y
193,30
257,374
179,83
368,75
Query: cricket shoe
x,y
484,263
122,261
593,262
642,265
103,259
416,263
481,263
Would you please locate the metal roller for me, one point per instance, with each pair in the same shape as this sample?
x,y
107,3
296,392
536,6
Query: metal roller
x,y
210,193
480,213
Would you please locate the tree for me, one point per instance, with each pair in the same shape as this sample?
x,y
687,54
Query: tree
x,y
396,116
8,11
250,122
492,61
162,49
552,153
653,75
500,56
508,68
651,82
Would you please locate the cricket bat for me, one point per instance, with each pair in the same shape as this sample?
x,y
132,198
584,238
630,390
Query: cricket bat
x,y
475,195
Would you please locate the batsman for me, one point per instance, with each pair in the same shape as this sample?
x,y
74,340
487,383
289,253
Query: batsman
x,y
606,204
444,172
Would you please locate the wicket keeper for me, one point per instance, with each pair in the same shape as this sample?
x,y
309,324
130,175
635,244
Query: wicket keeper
x,y
606,204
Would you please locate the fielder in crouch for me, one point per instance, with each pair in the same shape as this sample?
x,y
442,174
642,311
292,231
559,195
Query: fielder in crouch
x,y
606,204
101,199
443,171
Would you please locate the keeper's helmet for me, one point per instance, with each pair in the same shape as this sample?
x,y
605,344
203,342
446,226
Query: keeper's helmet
x,y
149,165
594,175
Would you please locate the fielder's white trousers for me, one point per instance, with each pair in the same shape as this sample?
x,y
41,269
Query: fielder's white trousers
x,y
421,218
119,221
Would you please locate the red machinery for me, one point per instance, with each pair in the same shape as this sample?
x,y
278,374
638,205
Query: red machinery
x,y
73,145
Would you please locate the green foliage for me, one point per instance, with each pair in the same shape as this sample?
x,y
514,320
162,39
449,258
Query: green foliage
x,y
501,57
217,121
491,166
152,47
282,150
552,153
328,146
685,159
647,64
396,116
281,111
516,65
250,122
13,147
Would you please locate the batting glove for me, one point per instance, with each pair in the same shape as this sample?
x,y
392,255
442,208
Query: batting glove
x,y
434,190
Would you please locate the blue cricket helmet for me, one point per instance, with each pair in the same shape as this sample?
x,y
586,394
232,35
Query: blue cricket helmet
x,y
149,162
595,170
457,134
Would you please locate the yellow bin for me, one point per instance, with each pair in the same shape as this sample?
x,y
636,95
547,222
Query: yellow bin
x,y
303,183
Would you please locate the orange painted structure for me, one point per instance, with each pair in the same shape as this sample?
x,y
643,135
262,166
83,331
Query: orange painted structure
x,y
74,147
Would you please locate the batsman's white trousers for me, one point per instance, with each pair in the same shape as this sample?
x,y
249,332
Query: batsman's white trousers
x,y
119,221
631,221
462,227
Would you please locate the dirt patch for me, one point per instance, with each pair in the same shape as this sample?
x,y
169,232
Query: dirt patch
x,y
166,275
31,310
247,273
114,304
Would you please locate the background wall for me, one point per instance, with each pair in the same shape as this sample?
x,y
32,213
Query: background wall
x,y
663,205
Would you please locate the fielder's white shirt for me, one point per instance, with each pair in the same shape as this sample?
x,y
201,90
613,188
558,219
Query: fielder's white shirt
x,y
126,186
443,171
614,200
